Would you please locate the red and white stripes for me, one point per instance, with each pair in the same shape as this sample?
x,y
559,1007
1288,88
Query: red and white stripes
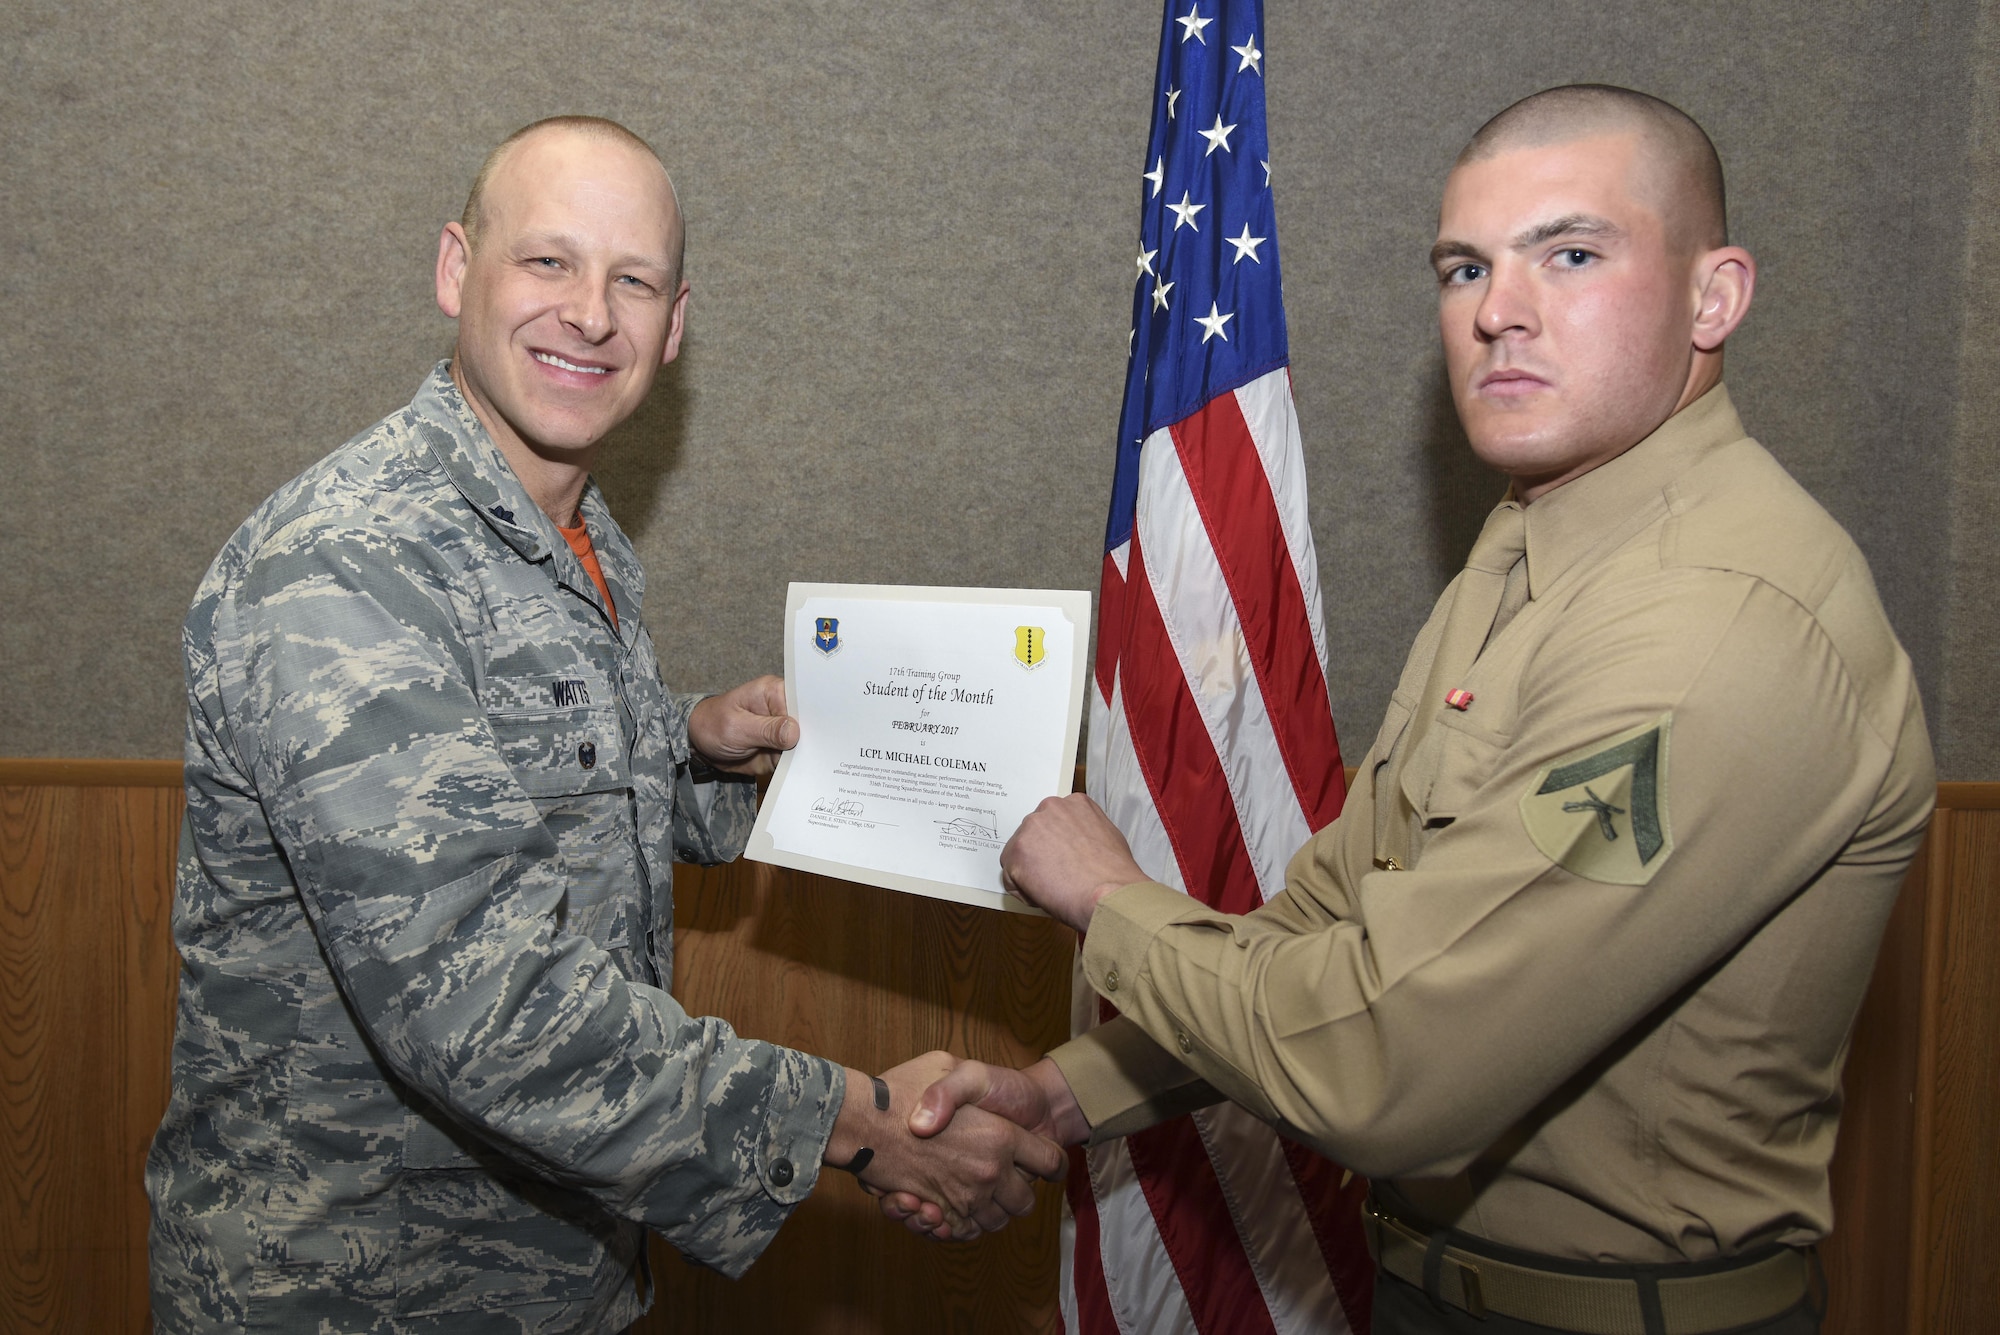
x,y
1212,747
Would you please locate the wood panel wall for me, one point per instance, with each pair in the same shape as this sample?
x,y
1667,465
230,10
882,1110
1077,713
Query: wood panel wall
x,y
87,974
1954,1233
869,977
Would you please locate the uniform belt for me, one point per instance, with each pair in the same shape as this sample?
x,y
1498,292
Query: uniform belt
x,y
1695,1304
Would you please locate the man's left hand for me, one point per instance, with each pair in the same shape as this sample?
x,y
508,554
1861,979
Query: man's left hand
x,y
742,731
1067,856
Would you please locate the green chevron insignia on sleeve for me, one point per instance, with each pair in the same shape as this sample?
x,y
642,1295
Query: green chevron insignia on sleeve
x,y
1601,812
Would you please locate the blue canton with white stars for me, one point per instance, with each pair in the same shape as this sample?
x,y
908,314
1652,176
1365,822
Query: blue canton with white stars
x,y
1208,311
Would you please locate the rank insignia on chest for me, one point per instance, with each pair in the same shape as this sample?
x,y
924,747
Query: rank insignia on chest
x,y
826,634
1601,811
1031,646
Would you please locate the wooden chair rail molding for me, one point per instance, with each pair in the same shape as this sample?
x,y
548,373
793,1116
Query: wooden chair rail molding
x,y
87,977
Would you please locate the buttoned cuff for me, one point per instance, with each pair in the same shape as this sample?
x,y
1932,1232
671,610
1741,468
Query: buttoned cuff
x,y
1122,931
1123,1080
805,1102
713,816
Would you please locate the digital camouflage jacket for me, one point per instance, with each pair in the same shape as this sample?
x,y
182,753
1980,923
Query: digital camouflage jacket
x,y
427,1076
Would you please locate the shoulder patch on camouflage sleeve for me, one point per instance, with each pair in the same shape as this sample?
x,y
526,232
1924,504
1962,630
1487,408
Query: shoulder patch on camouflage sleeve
x,y
1601,812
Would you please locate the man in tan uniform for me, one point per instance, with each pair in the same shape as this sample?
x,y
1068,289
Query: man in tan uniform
x,y
1571,977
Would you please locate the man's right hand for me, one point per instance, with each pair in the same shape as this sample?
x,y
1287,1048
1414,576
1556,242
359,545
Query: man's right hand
x,y
1037,1099
965,1179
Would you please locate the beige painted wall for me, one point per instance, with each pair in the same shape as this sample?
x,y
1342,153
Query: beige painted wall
x,y
911,250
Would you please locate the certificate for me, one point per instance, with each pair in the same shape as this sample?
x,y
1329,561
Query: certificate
x,y
931,721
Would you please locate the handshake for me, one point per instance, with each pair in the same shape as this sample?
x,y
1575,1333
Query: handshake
x,y
952,1148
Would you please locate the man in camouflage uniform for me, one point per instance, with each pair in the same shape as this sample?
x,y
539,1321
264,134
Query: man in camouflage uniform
x,y
427,1075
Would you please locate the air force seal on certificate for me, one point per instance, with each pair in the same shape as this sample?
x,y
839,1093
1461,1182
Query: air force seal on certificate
x,y
1601,812
826,634
1031,646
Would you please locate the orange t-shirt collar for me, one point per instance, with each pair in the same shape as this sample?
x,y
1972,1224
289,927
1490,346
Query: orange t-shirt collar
x,y
578,539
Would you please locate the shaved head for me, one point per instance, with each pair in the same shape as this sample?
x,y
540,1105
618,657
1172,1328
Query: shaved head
x,y
1585,287
1682,173
586,127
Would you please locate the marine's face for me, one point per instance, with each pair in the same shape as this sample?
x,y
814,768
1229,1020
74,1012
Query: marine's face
x,y
1566,308
571,301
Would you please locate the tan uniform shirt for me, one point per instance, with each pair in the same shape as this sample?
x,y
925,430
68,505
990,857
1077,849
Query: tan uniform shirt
x,y
1602,1014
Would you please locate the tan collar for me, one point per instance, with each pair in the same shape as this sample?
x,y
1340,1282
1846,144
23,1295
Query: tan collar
x,y
1572,520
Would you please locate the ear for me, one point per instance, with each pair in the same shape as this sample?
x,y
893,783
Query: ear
x,y
1725,279
676,325
453,252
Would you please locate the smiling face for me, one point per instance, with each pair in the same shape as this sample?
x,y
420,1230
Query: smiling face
x,y
571,298
1571,308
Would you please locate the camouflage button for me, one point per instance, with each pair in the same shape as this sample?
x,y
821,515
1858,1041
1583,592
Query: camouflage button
x,y
1181,1037
586,755
781,1173
1111,981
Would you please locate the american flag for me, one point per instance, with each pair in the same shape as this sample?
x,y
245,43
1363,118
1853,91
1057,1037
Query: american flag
x,y
1211,735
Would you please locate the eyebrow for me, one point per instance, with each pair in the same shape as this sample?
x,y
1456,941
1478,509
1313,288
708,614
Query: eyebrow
x,y
1570,224
537,241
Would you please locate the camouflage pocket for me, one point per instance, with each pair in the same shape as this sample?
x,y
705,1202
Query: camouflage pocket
x,y
477,1233
474,1241
427,1144
556,753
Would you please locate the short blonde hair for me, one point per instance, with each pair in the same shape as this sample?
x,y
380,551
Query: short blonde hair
x,y
1684,151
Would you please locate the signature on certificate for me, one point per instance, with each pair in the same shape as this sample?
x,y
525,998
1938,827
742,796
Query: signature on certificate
x,y
980,825
837,806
